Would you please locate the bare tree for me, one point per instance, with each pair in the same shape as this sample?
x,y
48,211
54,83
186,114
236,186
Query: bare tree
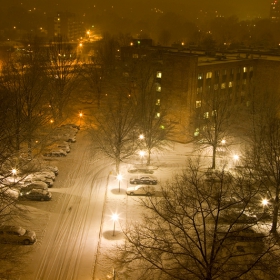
x,y
215,119
113,136
62,70
262,157
197,229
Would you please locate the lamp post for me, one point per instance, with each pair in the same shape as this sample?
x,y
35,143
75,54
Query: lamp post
x,y
119,177
14,172
80,115
115,217
141,154
264,204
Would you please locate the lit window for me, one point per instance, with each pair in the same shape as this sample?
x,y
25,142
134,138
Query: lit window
x,y
157,115
159,74
206,115
198,104
158,88
199,90
244,69
223,85
214,113
158,102
200,76
229,84
208,75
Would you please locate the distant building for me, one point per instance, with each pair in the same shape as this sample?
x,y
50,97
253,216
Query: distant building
x,y
65,25
275,11
186,79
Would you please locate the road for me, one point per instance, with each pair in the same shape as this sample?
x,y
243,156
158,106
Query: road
x,y
68,239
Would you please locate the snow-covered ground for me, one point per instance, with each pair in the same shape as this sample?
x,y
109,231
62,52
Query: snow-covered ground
x,y
75,230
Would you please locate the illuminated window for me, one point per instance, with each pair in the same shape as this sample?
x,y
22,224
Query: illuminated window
x,y
200,76
158,102
223,85
197,103
208,75
157,115
159,74
158,88
214,113
206,115
199,90
229,84
244,69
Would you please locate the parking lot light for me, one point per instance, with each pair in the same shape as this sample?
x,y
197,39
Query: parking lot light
x,y
115,218
119,177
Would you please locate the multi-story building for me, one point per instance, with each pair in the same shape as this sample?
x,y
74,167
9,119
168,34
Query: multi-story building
x,y
188,79
65,25
275,10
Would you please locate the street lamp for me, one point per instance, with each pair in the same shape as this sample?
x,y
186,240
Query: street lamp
x,y
80,115
223,141
264,204
119,177
141,154
14,172
141,137
115,217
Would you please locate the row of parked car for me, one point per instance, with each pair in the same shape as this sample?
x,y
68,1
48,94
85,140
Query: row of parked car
x,y
60,140
142,185
35,185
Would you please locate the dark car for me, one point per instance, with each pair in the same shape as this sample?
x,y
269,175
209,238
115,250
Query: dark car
x,y
37,194
16,234
143,181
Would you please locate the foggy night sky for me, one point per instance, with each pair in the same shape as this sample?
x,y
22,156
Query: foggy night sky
x,y
242,8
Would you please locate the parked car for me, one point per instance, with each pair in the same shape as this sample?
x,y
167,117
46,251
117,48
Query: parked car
x,y
55,153
234,216
8,193
16,234
37,178
140,190
63,147
70,139
35,185
146,180
46,174
54,169
37,194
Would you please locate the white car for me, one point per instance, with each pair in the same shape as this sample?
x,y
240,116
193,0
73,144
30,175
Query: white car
x,y
55,153
52,168
141,190
63,147
47,174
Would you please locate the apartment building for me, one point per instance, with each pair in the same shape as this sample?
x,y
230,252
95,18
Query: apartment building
x,y
187,80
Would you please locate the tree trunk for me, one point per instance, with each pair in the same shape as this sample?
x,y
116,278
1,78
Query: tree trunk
x,y
275,212
214,157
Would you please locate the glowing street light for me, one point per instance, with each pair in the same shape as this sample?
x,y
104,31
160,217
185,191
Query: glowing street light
x,y
115,218
142,154
236,157
14,172
141,136
223,141
80,115
119,177
264,204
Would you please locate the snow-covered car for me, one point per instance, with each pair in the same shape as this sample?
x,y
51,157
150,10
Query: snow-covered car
x,y
145,180
37,194
47,174
35,185
8,193
16,234
31,178
55,153
63,147
52,168
140,190
238,217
